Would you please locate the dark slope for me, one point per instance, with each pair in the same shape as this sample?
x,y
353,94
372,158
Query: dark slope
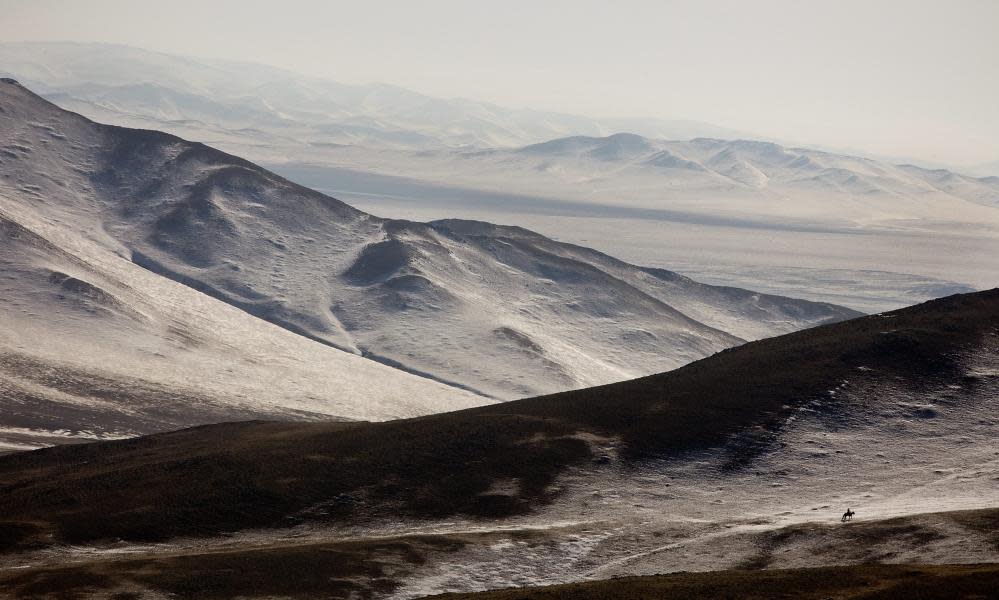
x,y
232,476
884,582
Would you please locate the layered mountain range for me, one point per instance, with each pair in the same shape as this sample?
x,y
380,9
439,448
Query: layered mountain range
x,y
291,397
789,220
112,225
715,163
869,234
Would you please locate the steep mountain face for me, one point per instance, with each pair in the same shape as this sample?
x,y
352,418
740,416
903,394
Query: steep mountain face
x,y
194,97
498,310
745,459
94,346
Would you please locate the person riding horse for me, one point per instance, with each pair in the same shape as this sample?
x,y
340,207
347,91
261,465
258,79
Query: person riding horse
x,y
847,516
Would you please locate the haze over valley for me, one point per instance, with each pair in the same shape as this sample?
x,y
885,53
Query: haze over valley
x,y
869,234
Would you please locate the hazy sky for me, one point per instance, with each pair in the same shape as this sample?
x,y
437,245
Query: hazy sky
x,y
898,78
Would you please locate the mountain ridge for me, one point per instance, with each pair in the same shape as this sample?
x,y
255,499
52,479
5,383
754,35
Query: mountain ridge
x,y
375,287
753,155
99,77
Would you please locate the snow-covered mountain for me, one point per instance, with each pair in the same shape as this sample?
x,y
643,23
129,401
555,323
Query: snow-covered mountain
x,y
208,99
866,233
709,169
93,345
498,310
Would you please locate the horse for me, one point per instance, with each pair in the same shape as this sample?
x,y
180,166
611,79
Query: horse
x,y
847,516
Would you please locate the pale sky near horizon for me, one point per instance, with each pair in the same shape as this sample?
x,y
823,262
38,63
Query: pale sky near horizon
x,y
898,78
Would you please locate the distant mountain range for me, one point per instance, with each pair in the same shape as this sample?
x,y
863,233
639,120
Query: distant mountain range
x,y
183,94
714,164
326,389
705,181
212,99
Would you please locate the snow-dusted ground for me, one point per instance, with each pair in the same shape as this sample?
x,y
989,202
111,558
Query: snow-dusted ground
x,y
894,451
900,454
94,346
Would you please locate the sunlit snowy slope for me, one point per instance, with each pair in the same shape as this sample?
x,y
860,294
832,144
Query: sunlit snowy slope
x,y
497,310
92,345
